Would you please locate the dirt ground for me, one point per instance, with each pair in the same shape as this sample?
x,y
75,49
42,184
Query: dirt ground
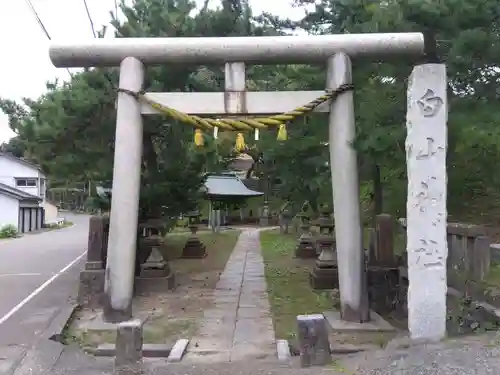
x,y
169,315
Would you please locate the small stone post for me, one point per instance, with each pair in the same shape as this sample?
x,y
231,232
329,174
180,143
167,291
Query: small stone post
x,y
313,340
427,248
128,360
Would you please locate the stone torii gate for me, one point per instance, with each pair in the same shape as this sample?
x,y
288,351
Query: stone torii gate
x,y
425,145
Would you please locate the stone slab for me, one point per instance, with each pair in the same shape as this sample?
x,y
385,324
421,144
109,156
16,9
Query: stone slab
x,y
178,350
207,356
250,330
211,344
377,323
252,351
220,312
148,350
10,357
40,359
253,312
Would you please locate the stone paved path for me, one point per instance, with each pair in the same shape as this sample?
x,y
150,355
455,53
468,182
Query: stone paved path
x,y
239,326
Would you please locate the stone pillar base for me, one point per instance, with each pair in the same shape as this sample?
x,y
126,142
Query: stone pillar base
x,y
155,272
324,278
112,315
145,285
306,248
194,249
91,288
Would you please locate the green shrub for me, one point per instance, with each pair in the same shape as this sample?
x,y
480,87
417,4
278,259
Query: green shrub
x,y
8,231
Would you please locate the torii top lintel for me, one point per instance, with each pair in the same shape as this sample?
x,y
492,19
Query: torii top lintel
x,y
251,50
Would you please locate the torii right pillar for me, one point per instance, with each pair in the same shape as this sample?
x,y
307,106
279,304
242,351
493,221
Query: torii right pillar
x,y
427,247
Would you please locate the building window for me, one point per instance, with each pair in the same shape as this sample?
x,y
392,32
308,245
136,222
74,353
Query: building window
x,y
42,188
26,182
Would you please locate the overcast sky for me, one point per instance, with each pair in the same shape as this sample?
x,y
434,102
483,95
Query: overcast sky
x,y
25,62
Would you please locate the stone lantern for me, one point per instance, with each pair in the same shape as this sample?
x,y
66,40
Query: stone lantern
x,y
284,221
306,247
194,248
325,272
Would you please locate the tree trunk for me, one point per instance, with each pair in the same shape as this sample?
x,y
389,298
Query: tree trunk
x,y
377,191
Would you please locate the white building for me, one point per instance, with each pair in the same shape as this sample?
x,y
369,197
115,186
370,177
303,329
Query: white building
x,y
22,194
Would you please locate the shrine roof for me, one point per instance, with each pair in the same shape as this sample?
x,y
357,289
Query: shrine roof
x,y
228,185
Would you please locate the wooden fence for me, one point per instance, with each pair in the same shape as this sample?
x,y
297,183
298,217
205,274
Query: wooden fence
x,y
469,253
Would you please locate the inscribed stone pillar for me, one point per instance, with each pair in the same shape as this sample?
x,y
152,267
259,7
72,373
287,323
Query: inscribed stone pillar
x,y
427,248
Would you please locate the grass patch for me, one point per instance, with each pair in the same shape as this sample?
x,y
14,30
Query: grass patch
x,y
64,224
219,247
288,284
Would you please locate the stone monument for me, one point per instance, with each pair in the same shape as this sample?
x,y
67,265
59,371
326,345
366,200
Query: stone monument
x,y
194,248
155,273
306,247
325,272
285,221
265,214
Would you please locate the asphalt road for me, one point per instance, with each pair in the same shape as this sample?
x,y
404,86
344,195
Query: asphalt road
x,y
38,275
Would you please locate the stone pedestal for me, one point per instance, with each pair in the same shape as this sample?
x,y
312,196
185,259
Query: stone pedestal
x,y
306,247
91,288
194,248
154,284
155,265
155,273
324,278
325,272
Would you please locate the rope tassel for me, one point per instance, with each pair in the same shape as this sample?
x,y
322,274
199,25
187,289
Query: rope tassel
x,y
282,134
240,143
198,138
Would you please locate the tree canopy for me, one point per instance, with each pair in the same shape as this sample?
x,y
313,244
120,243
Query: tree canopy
x,y
69,130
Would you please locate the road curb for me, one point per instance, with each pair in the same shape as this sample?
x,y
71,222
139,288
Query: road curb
x,y
59,322
45,352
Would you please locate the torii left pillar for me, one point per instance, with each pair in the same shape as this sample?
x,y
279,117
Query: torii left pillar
x,y
119,284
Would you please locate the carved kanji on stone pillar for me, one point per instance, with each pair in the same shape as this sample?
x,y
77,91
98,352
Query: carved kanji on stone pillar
x,y
194,248
325,272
